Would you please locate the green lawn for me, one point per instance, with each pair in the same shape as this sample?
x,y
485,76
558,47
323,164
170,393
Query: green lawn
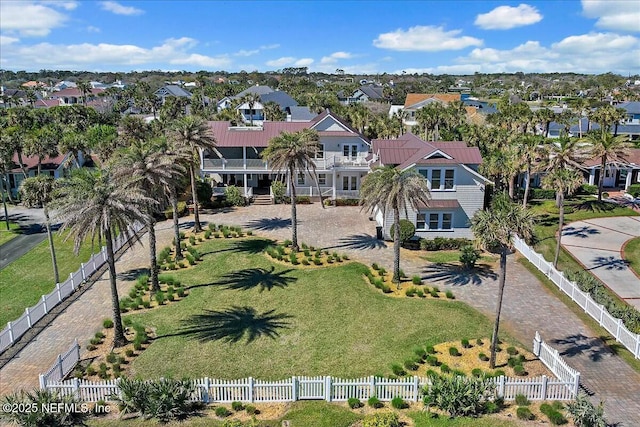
x,y
6,235
632,254
24,281
246,316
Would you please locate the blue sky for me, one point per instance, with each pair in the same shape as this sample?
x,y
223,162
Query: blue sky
x,y
453,37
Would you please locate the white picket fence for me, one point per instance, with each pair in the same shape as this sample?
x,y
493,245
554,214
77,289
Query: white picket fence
x,y
14,330
612,324
327,388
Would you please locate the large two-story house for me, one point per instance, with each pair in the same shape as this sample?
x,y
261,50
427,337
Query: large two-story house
x,y
451,169
341,162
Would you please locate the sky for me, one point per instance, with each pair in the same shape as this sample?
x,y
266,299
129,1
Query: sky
x,y
359,37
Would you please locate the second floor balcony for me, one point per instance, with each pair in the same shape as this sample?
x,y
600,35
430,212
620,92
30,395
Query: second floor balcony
x,y
327,163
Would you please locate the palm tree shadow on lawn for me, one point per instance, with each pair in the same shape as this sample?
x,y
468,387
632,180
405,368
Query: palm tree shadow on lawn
x,y
360,241
251,278
233,324
456,275
250,246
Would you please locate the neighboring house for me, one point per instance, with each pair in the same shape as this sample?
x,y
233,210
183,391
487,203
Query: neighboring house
x,y
415,101
169,91
451,170
362,94
71,96
255,113
47,103
64,84
54,166
615,175
341,162
300,114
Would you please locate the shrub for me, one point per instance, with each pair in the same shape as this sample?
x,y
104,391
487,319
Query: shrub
x,y
588,189
521,400
354,403
42,399
634,190
222,412
233,196
419,351
416,280
450,295
146,304
160,298
250,409
430,349
374,402
465,343
375,266
512,351
382,419
432,360
90,370
585,414
137,346
91,347
129,353
398,403
237,406
479,341
445,368
95,341
453,351
419,293
382,271
398,370
476,372
434,294
386,289
443,244
524,413
498,373
182,209
407,230
180,291
469,256
541,194
483,357
111,357
410,291
459,396
410,364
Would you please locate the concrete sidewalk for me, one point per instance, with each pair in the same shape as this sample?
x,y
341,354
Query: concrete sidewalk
x,y
597,245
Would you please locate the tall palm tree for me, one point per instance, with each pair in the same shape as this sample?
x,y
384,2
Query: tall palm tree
x,y
391,189
251,99
191,134
91,203
528,150
293,153
493,229
43,142
38,191
84,88
563,181
146,165
609,148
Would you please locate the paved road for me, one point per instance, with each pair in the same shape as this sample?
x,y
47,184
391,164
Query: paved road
x,y
33,232
597,244
528,306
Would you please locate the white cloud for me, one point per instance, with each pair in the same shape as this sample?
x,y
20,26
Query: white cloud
x,y
281,62
243,52
6,40
613,15
426,39
606,52
269,46
303,62
506,17
28,18
118,9
105,56
334,57
92,29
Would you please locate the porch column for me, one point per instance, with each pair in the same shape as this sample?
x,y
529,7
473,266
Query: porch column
x,y
334,185
244,157
592,176
629,176
244,179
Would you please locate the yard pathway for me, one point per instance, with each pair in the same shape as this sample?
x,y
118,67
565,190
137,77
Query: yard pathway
x,y
527,307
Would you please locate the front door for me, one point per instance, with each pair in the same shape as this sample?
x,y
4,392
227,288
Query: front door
x,y
609,179
349,182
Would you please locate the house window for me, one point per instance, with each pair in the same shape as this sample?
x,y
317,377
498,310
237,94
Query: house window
x,y
320,152
350,151
440,179
434,221
448,179
446,221
322,179
345,150
436,179
354,152
421,221
301,180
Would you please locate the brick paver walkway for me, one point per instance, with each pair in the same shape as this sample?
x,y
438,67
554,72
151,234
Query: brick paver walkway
x,y
528,306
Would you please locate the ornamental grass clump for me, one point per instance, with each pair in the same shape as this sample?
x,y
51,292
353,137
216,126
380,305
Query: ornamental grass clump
x,y
459,396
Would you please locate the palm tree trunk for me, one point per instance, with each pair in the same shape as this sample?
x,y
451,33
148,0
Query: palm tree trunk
x,y
526,185
512,186
118,337
5,183
396,247
560,224
39,165
151,222
194,193
176,224
294,216
496,326
52,248
603,165
22,167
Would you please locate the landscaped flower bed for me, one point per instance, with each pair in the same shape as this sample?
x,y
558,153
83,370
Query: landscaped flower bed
x,y
307,256
415,288
140,296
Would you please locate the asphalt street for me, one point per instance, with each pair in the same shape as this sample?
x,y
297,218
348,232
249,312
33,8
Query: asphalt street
x,y
33,232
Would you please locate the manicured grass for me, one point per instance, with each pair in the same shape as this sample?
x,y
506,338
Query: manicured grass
x,y
24,281
6,235
246,316
421,419
632,254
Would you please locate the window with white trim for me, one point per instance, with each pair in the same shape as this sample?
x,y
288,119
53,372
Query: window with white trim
x,y
429,221
322,179
439,179
301,180
320,152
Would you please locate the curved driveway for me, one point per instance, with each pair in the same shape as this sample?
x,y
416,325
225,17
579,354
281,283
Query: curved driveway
x,y
597,244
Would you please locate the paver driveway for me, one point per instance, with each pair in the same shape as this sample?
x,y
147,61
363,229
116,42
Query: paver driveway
x,y
597,244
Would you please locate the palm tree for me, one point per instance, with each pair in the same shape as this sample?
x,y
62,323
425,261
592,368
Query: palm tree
x,y
493,229
92,204
84,88
609,148
293,153
192,134
563,181
43,142
528,150
391,189
251,99
38,191
146,165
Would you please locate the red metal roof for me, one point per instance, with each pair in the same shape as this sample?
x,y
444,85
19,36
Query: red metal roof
x,y
31,162
74,91
409,149
227,136
633,157
440,204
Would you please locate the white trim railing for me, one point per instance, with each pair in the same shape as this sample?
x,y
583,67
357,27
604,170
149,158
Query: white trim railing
x,y
612,324
15,329
328,388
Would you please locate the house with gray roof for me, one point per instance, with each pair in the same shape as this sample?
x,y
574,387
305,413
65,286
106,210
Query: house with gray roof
x,y
457,189
362,94
255,113
168,91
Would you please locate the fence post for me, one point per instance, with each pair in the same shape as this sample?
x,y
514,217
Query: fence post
x,y
10,329
638,346
77,349
536,344
251,396
44,303
501,382
372,385
84,274
327,388
544,387
620,325
602,309
58,292
576,384
43,382
73,285
294,388
416,388
59,362
205,395
76,387
26,312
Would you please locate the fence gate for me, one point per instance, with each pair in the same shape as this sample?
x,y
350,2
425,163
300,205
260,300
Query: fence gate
x,y
311,388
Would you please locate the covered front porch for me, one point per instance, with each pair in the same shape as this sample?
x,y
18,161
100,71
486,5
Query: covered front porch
x,y
614,176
